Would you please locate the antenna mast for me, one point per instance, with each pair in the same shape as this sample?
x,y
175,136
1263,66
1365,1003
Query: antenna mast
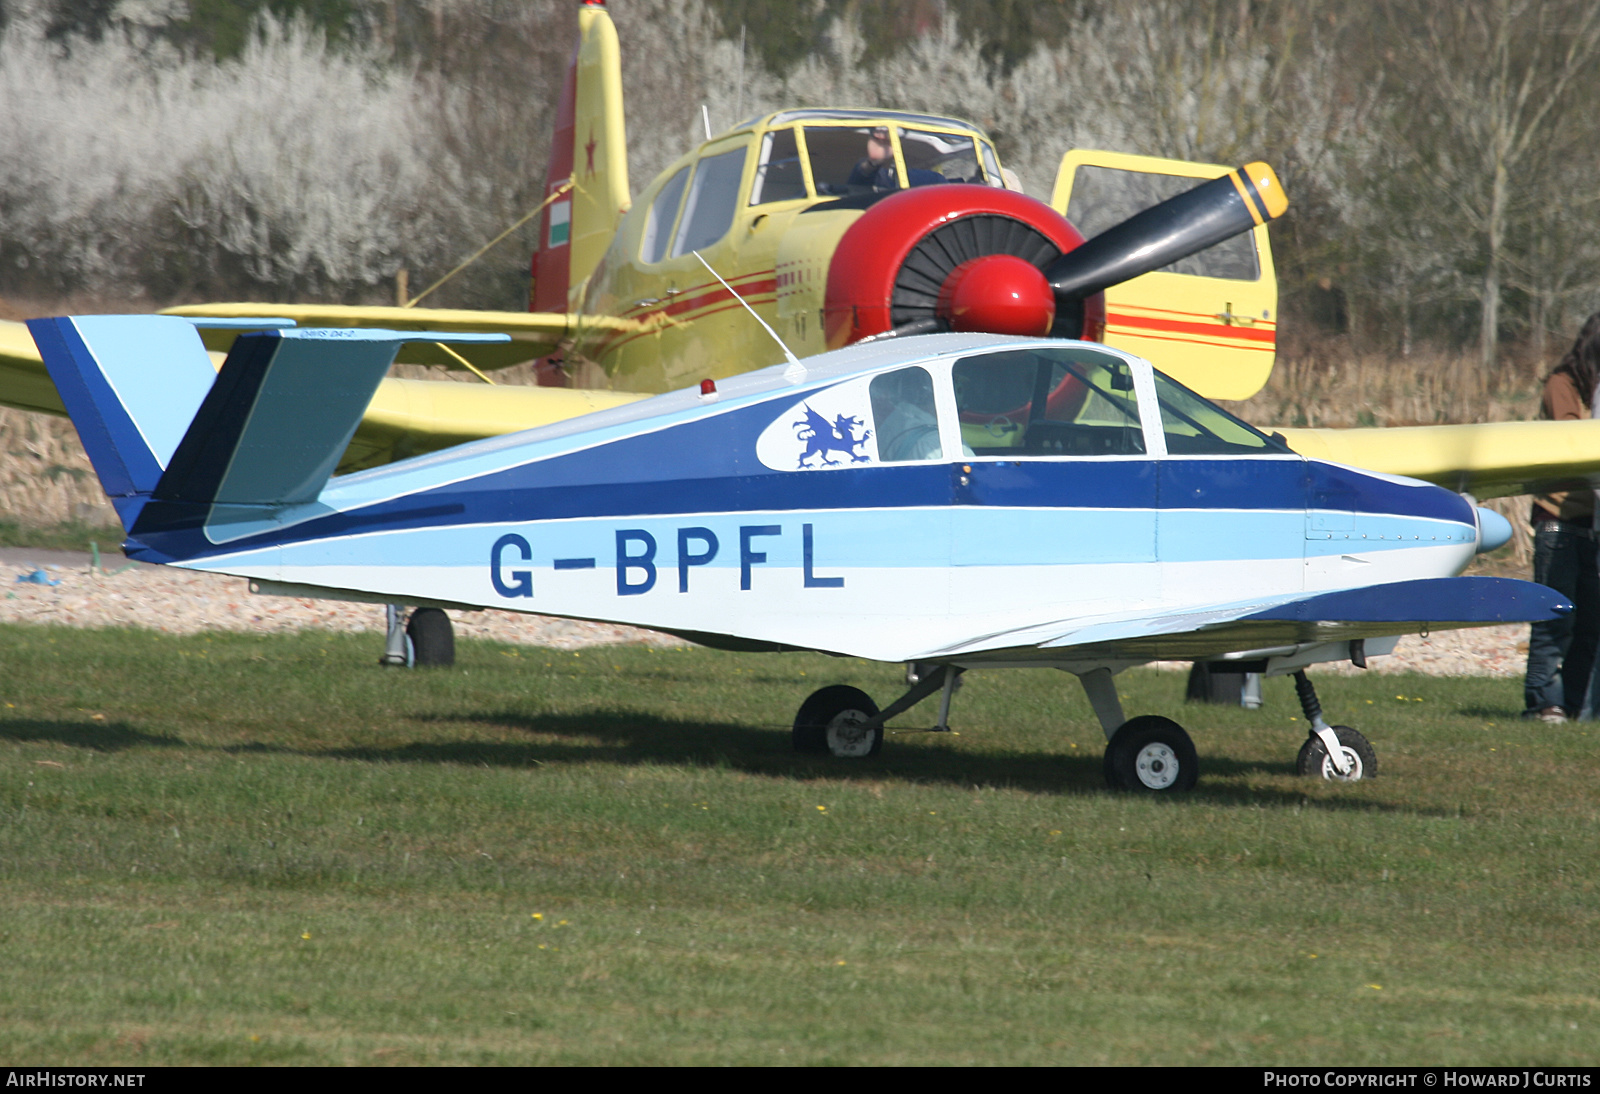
x,y
794,362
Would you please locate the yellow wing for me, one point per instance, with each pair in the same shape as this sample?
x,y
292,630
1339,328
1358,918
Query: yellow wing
x,y
410,417
406,418
1487,460
24,383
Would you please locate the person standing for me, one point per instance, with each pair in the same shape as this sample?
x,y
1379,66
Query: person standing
x,y
1561,652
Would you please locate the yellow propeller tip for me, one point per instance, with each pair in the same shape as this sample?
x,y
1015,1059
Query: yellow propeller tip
x,y
1267,188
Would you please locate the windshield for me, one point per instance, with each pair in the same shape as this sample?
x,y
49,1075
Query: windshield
x,y
952,158
1079,401
1194,427
861,160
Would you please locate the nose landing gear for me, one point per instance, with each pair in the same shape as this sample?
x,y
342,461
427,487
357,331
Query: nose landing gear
x,y
1337,753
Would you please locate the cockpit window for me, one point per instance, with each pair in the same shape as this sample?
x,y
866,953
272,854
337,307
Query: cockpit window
x,y
1195,427
835,152
904,416
860,159
952,158
778,175
991,166
663,211
1055,401
713,197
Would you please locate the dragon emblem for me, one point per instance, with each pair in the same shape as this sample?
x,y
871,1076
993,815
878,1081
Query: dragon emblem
x,y
822,437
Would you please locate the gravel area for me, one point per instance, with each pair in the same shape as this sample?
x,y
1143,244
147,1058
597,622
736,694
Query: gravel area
x,y
184,602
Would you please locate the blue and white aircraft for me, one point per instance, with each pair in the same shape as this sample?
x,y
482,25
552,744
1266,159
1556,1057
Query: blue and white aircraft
x,y
950,501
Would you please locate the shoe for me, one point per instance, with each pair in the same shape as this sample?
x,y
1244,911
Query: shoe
x,y
1552,715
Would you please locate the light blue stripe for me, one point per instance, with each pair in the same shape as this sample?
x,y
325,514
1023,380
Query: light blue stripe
x,y
889,538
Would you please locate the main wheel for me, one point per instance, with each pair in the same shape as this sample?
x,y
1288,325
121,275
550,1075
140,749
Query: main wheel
x,y
831,721
1358,753
1151,755
433,641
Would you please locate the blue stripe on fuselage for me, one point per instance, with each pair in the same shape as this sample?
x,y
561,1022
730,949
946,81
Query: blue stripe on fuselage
x,y
707,465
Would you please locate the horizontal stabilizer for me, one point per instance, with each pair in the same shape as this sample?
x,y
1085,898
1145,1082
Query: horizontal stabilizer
x,y
274,424
532,334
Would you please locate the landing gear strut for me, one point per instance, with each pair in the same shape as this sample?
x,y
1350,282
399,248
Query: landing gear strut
x,y
423,640
846,723
1333,752
1144,755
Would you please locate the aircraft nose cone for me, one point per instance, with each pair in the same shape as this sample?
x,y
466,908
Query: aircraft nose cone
x,y
1493,530
998,294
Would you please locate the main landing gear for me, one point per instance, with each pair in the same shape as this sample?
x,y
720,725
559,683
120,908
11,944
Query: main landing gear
x,y
1150,754
425,639
1144,755
844,721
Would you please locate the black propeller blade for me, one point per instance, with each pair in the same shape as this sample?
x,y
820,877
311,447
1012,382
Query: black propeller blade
x,y
1164,233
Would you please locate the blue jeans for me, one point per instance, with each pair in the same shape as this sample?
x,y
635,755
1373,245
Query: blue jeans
x,y
1561,652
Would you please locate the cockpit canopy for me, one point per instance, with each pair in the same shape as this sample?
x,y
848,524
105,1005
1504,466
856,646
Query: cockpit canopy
x,y
809,155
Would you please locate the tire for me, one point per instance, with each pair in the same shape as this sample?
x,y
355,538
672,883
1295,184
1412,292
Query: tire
x,y
1151,755
827,722
433,640
1314,758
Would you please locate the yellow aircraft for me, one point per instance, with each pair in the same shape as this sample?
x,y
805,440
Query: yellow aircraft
x,y
835,226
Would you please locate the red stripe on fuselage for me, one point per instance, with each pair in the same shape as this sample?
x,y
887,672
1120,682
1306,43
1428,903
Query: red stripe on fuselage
x,y
1213,329
759,293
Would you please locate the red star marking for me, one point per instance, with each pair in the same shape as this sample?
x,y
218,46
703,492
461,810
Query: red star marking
x,y
589,151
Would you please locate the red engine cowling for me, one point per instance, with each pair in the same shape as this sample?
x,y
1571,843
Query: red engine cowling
x,y
954,257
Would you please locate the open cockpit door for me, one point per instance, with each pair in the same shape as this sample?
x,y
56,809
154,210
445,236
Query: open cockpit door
x,y
1209,321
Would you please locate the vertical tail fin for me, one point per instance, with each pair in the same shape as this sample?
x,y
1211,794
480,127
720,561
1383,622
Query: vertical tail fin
x,y
131,383
590,151
270,432
179,446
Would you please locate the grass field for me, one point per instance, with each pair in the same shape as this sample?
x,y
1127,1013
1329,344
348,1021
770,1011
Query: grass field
x,y
241,849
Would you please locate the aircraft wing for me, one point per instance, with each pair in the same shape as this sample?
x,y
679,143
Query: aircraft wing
x,y
533,334
409,417
1288,620
24,383
406,417
1486,460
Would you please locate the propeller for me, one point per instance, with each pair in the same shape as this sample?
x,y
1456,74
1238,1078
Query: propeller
x,y
1000,293
973,258
1173,230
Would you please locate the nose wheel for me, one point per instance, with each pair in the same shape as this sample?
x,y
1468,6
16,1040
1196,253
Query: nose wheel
x,y
1336,753
1360,761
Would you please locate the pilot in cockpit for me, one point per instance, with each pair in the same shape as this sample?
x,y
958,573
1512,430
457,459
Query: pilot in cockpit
x,y
877,170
